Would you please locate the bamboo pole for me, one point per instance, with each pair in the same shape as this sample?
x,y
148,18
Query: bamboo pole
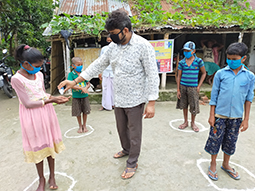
x,y
163,75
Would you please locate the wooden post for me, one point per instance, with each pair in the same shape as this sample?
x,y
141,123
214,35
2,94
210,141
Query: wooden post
x,y
222,61
64,55
67,61
240,37
163,76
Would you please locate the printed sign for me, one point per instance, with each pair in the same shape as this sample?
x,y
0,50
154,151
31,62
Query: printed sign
x,y
164,54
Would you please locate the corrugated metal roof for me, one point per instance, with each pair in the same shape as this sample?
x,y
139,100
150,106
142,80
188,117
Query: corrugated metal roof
x,y
90,7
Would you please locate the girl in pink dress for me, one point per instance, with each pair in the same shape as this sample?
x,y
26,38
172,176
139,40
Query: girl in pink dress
x,y
41,135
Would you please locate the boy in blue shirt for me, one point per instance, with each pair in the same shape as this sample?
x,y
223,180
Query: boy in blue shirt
x,y
187,84
232,88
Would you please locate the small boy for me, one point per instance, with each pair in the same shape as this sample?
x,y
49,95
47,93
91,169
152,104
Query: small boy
x,y
80,102
187,84
232,88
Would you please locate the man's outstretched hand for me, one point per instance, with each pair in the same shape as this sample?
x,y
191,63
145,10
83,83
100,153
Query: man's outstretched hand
x,y
69,84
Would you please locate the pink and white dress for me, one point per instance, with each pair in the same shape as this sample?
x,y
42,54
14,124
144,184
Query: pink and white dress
x,y
41,133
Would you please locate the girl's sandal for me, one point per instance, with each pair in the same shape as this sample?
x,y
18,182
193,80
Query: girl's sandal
x,y
119,155
129,171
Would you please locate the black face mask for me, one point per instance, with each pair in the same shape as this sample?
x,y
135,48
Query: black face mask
x,y
115,38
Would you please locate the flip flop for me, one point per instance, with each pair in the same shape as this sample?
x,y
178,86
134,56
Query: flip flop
x,y
213,173
182,126
120,155
195,129
229,173
130,170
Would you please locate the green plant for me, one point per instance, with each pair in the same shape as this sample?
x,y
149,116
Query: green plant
x,y
213,13
84,24
20,21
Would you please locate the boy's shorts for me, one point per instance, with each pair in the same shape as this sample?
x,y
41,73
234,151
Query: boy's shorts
x,y
189,96
80,105
225,133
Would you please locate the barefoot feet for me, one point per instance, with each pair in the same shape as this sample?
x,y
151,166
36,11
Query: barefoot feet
x,y
41,186
80,129
52,183
84,129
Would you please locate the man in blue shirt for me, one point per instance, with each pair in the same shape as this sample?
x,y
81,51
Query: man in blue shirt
x,y
232,88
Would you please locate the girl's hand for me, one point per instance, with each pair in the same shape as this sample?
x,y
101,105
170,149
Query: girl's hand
x,y
211,120
69,84
60,99
244,125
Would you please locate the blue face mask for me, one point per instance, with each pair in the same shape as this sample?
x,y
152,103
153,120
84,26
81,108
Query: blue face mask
x,y
34,71
234,64
187,54
78,68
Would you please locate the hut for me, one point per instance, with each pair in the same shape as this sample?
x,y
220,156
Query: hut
x,y
88,47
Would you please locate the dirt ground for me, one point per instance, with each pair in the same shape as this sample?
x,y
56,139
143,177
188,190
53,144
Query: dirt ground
x,y
170,160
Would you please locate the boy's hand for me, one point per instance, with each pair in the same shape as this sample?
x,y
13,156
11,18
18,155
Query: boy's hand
x,y
178,94
244,126
211,120
85,90
100,77
198,89
88,84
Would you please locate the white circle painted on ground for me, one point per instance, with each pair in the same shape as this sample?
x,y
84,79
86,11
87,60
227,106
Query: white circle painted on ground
x,y
80,134
58,173
200,126
211,182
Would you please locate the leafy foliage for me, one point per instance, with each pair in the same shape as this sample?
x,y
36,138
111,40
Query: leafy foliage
x,y
213,13
86,24
23,19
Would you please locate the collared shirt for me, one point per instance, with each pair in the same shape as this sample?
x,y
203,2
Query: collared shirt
x,y
108,71
230,91
77,93
135,71
190,73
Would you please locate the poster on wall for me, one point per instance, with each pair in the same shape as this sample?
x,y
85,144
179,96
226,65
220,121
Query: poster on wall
x,y
164,54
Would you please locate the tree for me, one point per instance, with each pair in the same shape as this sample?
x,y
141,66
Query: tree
x,y
23,18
